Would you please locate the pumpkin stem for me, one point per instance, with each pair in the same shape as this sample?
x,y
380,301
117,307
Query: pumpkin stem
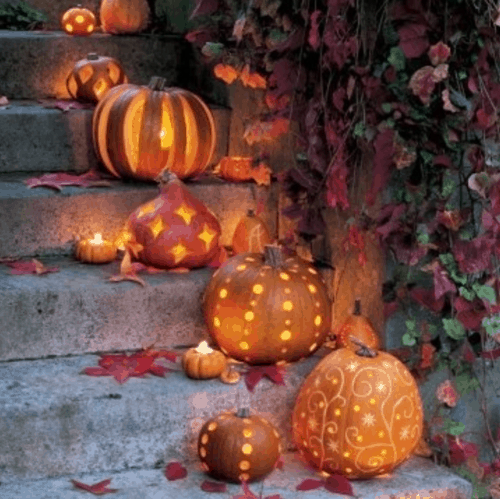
x,y
165,177
243,412
357,307
92,56
250,212
273,255
363,350
157,83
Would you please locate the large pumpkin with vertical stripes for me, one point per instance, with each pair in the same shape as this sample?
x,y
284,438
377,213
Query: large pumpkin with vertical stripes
x,y
267,308
175,229
140,130
238,446
358,413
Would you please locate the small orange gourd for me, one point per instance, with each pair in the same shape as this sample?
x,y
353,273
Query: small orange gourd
x,y
175,229
138,131
93,76
267,308
238,446
358,327
250,235
78,21
95,250
124,16
203,363
358,413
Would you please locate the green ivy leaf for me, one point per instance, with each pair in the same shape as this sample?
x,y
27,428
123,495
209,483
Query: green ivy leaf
x,y
453,427
397,58
466,383
454,329
426,156
359,129
408,340
485,292
468,294
449,185
212,49
491,324
448,260
387,107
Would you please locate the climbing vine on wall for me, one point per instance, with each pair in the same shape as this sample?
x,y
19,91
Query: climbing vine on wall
x,y
416,85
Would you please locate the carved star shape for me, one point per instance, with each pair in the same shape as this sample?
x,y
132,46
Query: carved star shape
x,y
146,209
207,236
185,212
157,226
179,252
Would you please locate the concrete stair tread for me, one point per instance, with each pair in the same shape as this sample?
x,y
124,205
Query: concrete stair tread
x,y
56,421
42,221
415,478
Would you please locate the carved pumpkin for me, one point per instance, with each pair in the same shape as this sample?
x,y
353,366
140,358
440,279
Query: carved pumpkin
x,y
360,327
203,362
238,447
124,16
250,235
78,21
138,131
93,76
175,229
358,413
95,250
265,309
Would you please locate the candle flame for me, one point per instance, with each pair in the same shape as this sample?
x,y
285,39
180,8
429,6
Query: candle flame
x,y
204,348
97,239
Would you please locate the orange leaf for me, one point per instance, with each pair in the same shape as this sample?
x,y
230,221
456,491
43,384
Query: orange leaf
x,y
226,73
252,79
261,174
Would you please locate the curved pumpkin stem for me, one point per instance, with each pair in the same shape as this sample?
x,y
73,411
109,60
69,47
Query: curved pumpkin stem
x,y
273,255
165,177
157,83
357,307
363,350
92,56
243,412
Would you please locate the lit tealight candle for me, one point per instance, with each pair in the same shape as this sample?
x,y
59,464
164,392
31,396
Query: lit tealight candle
x,y
95,250
203,362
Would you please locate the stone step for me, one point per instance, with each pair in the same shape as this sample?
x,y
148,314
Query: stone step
x,y
35,64
37,138
417,478
55,421
41,221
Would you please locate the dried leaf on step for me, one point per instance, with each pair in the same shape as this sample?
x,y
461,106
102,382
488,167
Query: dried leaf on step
x,y
57,181
310,484
338,484
97,488
4,101
127,272
474,467
255,373
32,267
65,105
423,449
175,471
261,174
209,486
248,494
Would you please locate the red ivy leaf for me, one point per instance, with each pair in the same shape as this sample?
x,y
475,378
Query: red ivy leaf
x,y
468,353
413,40
491,354
427,356
175,471
426,297
256,373
336,187
382,162
205,8
439,53
442,284
310,484
339,484
473,256
96,489
209,486
314,38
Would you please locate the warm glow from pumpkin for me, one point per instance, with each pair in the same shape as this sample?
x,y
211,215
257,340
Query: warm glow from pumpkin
x,y
97,239
204,348
79,19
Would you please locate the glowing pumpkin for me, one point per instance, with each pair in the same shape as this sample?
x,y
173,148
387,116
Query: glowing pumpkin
x,y
140,130
203,362
124,16
238,447
175,229
358,327
358,413
78,21
93,76
265,309
251,234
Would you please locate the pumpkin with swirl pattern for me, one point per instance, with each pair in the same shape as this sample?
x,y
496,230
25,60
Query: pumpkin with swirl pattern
x,y
358,413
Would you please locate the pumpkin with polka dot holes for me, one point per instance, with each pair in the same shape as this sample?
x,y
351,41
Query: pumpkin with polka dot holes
x,y
238,446
267,308
78,21
357,413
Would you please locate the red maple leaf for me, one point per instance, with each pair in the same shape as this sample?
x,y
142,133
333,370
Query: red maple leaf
x,y
209,486
248,494
255,373
205,8
175,471
337,484
97,488
382,162
33,267
56,181
413,40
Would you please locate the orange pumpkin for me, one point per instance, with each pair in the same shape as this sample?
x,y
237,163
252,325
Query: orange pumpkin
x,y
78,21
175,229
358,413
95,250
93,76
265,309
358,327
140,130
203,362
124,16
238,447
250,235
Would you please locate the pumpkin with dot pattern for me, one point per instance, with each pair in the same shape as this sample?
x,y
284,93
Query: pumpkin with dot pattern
x,y
357,413
238,446
265,309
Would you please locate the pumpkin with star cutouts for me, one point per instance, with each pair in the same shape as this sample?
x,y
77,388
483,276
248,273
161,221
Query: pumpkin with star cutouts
x,y
175,229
